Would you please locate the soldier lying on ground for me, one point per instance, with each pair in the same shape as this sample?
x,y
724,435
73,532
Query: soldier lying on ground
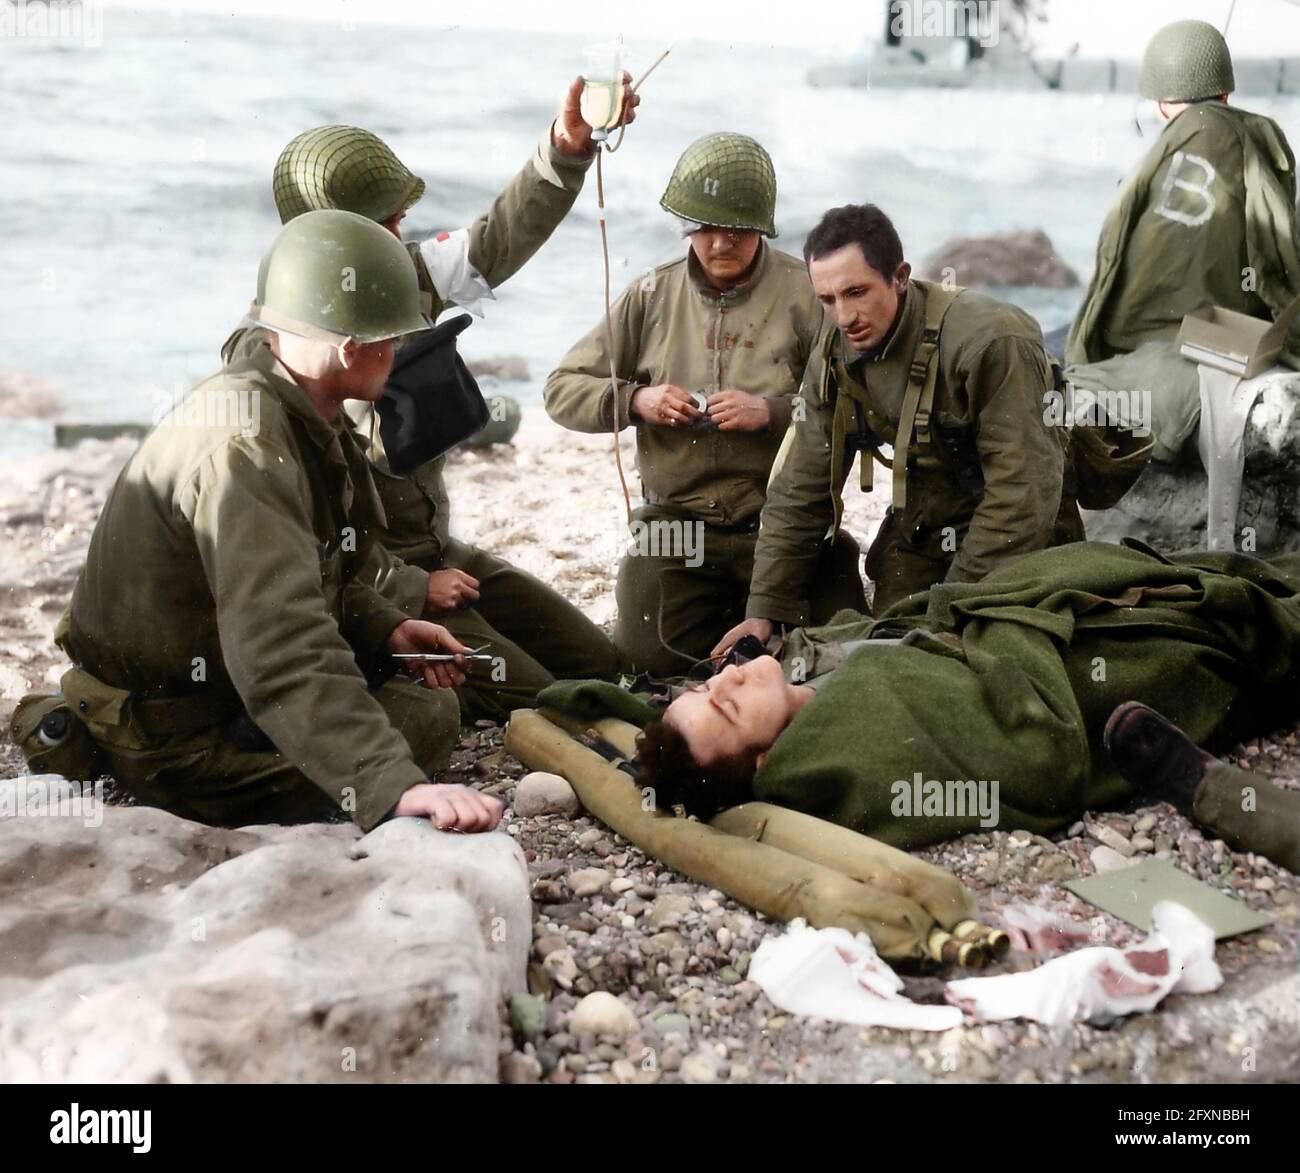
x,y
535,634
231,630
733,322
952,379
1207,218
1022,684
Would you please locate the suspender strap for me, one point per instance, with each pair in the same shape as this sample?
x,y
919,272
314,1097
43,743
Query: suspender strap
x,y
918,399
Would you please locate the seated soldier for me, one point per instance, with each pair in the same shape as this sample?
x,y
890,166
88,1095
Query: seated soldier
x,y
710,351
1208,218
233,628
1032,684
532,632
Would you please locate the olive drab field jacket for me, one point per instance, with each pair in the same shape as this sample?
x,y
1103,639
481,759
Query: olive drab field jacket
x,y
1208,218
234,566
985,462
671,327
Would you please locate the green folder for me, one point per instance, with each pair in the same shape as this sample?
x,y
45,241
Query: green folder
x,y
1130,893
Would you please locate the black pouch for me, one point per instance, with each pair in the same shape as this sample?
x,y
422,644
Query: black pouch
x,y
431,402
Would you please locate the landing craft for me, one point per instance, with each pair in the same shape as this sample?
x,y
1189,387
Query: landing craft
x,y
969,44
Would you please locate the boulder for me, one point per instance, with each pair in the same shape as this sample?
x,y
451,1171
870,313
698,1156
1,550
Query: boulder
x,y
138,946
1006,259
24,396
506,367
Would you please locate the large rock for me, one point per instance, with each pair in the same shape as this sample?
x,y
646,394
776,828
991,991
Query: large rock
x,y
24,396
1008,258
1167,506
152,948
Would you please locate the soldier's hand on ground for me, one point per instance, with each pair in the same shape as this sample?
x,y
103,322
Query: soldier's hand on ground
x,y
417,635
571,134
760,629
667,405
451,807
739,411
449,590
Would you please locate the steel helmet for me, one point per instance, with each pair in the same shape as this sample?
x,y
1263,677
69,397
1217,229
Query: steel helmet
x,y
336,275
1185,62
725,180
345,168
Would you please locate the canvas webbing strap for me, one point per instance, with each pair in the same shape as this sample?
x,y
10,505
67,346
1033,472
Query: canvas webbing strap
x,y
918,399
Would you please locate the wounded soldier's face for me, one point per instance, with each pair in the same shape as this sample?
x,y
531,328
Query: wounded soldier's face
x,y
742,710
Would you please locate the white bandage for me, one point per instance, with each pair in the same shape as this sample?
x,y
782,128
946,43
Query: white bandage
x,y
1101,983
832,973
455,279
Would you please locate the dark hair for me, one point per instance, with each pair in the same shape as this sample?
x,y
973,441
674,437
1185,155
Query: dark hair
x,y
665,764
864,225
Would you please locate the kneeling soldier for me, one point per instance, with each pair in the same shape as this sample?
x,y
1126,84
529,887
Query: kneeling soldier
x,y
957,384
711,349
231,630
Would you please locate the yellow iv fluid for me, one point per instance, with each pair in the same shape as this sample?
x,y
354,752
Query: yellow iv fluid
x,y
601,103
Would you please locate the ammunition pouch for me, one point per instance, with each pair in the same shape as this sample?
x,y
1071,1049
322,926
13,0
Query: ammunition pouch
x,y
54,741
131,720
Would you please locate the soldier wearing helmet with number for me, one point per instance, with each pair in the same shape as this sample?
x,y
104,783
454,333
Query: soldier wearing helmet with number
x,y
711,348
233,630
1207,219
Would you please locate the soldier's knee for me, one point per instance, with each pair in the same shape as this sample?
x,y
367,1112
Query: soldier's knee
x,y
429,719
598,658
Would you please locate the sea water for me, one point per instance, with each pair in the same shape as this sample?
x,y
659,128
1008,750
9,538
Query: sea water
x,y
136,177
